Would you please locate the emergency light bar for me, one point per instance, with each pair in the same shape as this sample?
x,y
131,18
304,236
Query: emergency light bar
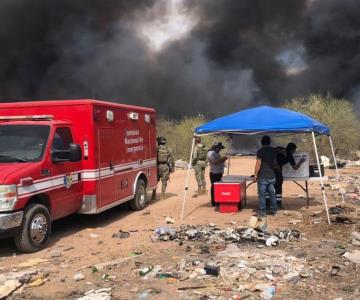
x,y
34,117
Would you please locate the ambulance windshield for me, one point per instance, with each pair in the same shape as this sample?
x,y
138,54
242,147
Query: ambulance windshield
x,y
22,143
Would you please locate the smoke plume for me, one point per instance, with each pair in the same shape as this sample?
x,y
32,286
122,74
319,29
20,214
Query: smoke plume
x,y
179,56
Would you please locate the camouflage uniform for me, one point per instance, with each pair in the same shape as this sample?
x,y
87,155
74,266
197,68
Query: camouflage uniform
x,y
165,165
199,162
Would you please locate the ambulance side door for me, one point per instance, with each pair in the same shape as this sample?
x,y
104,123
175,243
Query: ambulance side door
x,y
66,194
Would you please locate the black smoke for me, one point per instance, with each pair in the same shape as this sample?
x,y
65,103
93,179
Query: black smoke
x,y
240,53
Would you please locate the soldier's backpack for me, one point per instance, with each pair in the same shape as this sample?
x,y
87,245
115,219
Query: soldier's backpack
x,y
201,152
163,154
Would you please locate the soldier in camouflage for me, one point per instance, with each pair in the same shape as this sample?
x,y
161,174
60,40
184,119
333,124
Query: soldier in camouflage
x,y
165,162
199,163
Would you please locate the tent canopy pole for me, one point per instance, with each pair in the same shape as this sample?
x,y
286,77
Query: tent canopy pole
x,y
336,167
321,178
334,157
187,178
228,170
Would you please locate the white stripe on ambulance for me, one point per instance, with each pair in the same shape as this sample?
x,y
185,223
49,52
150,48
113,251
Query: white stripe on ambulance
x,y
50,183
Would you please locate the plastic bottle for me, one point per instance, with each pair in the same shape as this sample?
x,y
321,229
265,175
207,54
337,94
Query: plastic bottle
x,y
268,293
162,230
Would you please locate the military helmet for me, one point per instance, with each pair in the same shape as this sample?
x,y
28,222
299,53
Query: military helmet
x,y
161,140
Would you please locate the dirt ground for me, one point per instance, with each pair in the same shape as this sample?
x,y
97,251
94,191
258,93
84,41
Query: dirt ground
x,y
87,240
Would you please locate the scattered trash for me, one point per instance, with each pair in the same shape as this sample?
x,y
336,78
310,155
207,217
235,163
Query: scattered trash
x,y
212,234
169,220
325,161
355,238
163,233
291,276
258,223
121,234
107,277
55,253
335,210
272,241
144,270
305,273
335,270
211,269
78,277
353,256
288,234
148,293
268,293
94,235
153,273
101,294
9,287
37,282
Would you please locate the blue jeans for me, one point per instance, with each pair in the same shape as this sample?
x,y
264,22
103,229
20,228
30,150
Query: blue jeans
x,y
266,185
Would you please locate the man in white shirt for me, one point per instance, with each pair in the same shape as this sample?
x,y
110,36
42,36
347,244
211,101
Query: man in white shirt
x,y
217,164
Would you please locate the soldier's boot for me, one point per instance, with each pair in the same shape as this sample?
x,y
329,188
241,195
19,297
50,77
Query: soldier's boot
x,y
198,192
163,189
204,190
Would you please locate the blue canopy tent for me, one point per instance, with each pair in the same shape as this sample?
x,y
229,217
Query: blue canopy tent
x,y
261,120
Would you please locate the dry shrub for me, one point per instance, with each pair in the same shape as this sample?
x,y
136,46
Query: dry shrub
x,y
179,134
339,115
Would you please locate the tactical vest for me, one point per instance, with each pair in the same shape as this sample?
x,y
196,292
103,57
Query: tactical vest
x,y
163,154
201,152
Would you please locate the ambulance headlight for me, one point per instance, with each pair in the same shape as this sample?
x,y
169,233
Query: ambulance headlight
x,y
8,197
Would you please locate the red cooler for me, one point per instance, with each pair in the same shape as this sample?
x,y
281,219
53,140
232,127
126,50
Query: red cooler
x,y
230,195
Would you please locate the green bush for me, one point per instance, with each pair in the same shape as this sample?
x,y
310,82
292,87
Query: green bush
x,y
339,115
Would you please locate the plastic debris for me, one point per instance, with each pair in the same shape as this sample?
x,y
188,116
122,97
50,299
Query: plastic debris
x,y
9,287
272,241
121,234
268,293
169,220
101,294
78,277
353,256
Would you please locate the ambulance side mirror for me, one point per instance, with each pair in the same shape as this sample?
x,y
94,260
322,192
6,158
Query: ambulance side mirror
x,y
75,152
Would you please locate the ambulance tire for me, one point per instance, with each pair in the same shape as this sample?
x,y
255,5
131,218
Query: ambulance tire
x,y
139,202
35,231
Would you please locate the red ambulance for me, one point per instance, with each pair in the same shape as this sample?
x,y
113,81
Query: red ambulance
x,y
62,157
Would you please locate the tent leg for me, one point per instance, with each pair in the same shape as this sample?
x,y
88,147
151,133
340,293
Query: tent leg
x,y
321,178
335,162
187,178
228,171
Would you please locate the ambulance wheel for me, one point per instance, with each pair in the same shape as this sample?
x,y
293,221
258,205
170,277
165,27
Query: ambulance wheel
x,y
139,202
35,230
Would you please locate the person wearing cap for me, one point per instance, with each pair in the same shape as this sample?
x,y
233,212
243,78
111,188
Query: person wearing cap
x,y
265,176
284,156
199,163
217,164
165,162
